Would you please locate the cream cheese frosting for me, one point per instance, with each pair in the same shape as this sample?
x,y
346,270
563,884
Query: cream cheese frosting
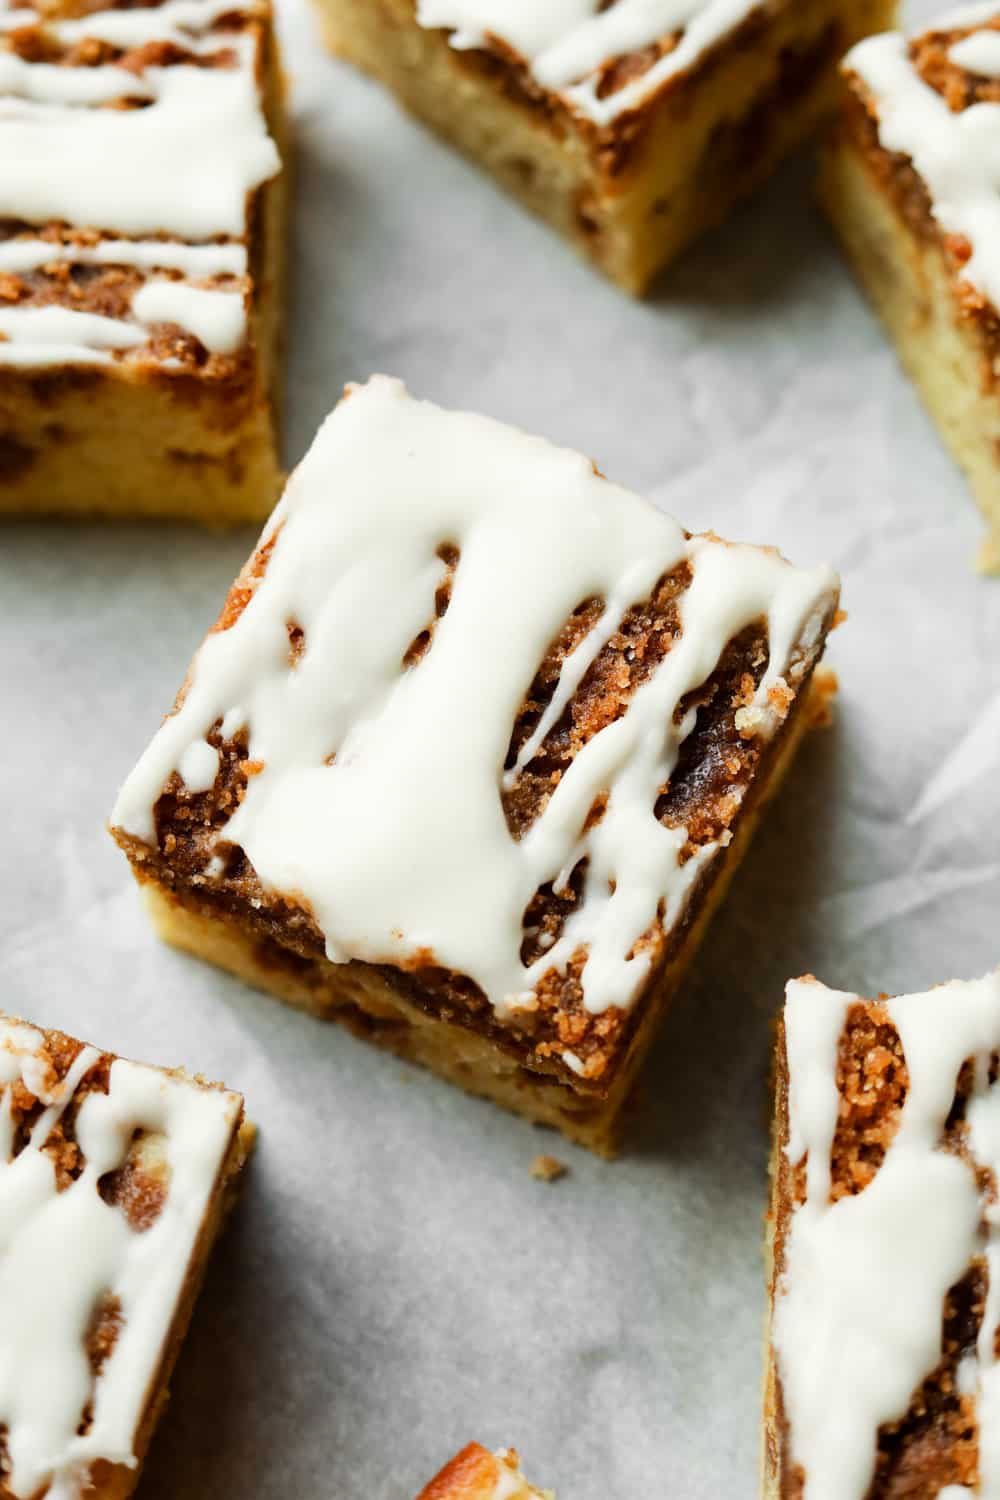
x,y
956,153
859,1305
378,798
64,1249
181,166
567,42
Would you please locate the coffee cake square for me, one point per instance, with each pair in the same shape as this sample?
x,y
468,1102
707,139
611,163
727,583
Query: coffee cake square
x,y
633,126
142,208
910,183
114,1181
882,1373
471,752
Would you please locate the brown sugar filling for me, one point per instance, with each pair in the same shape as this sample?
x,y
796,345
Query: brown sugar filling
x,y
138,1187
705,793
646,633
872,1080
420,644
618,72
106,1323
957,87
936,1442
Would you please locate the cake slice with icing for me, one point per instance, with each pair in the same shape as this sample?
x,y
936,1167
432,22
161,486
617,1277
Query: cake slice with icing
x,y
471,752
883,1378
141,258
911,183
632,126
114,1179
478,1474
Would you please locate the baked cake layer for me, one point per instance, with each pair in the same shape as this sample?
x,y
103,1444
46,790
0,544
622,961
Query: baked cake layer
x,y
910,184
114,1178
368,802
882,1378
141,259
632,127
477,1474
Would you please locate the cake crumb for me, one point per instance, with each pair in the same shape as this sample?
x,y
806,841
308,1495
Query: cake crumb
x,y
548,1168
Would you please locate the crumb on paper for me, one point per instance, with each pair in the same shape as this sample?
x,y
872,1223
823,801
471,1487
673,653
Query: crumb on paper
x,y
548,1168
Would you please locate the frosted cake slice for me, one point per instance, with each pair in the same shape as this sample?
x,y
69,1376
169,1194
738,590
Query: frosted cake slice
x,y
911,184
114,1180
477,1474
471,752
142,209
882,1373
631,126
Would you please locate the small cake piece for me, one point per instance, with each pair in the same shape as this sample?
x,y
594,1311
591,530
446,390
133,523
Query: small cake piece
x,y
477,1474
142,208
471,751
631,126
114,1181
911,184
883,1381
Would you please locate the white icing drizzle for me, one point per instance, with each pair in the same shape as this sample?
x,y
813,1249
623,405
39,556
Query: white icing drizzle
x,y
400,845
216,318
960,16
566,42
48,83
183,165
12,19
61,1252
859,1306
21,256
199,766
956,154
978,53
56,334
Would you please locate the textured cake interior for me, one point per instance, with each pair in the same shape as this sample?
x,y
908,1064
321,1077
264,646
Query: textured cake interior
x,y
630,195
198,441
207,897
936,1443
137,1187
947,336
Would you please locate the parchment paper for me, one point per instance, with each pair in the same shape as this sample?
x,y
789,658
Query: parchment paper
x,y
394,1282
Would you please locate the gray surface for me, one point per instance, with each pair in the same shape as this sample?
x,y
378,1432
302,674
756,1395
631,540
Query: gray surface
x,y
394,1281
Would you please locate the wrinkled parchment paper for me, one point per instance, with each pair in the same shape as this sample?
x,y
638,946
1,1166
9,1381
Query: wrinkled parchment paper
x,y
394,1281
